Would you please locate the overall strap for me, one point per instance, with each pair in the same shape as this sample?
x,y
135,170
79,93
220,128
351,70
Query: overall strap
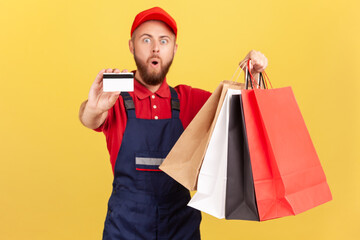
x,y
175,103
129,104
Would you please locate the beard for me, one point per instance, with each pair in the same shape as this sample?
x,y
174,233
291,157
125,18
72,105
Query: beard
x,y
149,77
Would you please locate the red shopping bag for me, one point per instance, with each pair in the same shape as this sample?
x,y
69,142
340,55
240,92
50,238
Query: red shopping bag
x,y
288,176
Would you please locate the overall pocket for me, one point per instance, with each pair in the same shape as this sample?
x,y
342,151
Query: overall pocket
x,y
149,177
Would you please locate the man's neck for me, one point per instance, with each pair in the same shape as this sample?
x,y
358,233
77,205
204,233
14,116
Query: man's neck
x,y
151,88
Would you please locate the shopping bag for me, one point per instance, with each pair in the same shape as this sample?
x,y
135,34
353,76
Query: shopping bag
x,y
288,176
240,194
184,160
211,185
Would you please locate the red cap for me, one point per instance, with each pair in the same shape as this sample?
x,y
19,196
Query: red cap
x,y
155,13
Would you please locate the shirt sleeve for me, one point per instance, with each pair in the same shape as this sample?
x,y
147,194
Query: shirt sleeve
x,y
191,101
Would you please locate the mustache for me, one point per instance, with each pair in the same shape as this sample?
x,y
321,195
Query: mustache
x,y
154,56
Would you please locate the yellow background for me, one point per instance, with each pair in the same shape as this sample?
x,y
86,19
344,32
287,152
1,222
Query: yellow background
x,y
55,175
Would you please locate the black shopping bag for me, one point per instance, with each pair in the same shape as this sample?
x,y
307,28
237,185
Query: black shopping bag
x,y
240,200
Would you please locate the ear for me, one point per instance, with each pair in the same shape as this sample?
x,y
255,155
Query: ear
x,y
131,46
175,48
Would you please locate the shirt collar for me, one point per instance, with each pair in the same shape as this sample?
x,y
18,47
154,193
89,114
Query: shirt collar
x,y
142,92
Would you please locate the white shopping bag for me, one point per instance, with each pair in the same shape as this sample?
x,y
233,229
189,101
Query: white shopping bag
x,y
211,186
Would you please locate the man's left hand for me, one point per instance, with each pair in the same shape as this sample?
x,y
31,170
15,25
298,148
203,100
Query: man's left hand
x,y
258,62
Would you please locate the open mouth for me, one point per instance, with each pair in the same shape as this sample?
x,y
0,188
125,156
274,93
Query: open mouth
x,y
154,63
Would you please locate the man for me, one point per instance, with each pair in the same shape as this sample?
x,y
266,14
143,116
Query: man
x,y
141,127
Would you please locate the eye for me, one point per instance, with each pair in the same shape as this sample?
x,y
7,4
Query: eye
x,y
163,41
146,40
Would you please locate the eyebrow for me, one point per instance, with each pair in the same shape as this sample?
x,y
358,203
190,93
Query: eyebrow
x,y
162,36
145,34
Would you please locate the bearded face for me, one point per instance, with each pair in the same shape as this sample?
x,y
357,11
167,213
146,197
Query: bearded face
x,y
153,46
154,70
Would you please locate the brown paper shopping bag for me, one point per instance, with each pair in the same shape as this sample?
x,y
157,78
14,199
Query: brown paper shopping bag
x,y
184,161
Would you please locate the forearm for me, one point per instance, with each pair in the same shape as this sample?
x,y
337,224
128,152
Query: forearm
x,y
91,117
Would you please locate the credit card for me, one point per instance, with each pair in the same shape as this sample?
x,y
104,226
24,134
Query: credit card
x,y
123,82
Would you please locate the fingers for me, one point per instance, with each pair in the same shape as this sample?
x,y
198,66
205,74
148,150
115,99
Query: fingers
x,y
99,76
258,61
243,63
118,71
115,70
114,96
109,70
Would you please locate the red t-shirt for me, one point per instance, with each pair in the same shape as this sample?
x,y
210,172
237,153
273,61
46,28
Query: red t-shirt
x,y
150,105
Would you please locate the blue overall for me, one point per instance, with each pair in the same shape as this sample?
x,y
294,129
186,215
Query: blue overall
x,y
145,202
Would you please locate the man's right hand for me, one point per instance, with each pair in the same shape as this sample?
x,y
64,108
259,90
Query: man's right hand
x,y
93,112
99,100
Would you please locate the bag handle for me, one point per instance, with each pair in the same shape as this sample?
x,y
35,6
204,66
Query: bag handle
x,y
242,69
249,77
263,78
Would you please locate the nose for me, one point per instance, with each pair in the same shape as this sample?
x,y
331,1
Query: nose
x,y
155,47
